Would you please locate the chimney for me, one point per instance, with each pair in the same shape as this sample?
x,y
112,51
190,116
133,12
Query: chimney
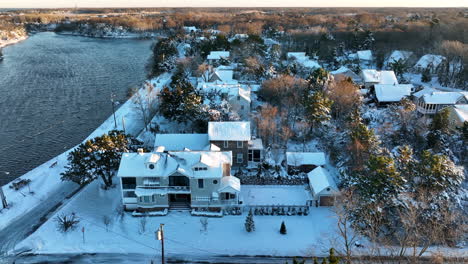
x,y
160,149
140,151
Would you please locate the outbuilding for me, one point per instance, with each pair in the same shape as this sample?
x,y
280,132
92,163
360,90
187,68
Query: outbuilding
x,y
322,187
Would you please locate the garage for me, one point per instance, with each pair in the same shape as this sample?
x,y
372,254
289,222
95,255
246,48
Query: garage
x,y
326,200
322,187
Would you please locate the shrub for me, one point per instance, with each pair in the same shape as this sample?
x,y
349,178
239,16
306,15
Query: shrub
x,y
283,228
66,223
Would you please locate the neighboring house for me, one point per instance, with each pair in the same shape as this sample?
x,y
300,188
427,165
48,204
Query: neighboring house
x,y
303,60
191,29
365,58
216,56
398,55
343,73
430,101
458,116
392,93
182,142
238,96
223,76
235,137
304,161
430,61
200,180
373,77
322,186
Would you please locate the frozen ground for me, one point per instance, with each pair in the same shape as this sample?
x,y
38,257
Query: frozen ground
x,y
183,232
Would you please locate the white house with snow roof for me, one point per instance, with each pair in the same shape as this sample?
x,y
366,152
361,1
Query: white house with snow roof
x,y
392,93
303,59
398,55
182,142
322,186
344,72
153,183
247,151
238,96
430,61
304,161
430,101
373,77
216,56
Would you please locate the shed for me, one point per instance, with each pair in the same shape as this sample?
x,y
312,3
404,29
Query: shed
x,y
322,186
304,161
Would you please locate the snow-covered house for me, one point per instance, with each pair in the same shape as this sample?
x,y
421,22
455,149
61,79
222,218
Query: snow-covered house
x,y
322,186
430,101
365,58
236,137
157,181
191,29
303,59
182,142
392,93
344,72
398,55
238,96
373,77
430,61
304,161
458,116
223,76
216,56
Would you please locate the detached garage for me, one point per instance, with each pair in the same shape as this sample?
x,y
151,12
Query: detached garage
x,y
322,186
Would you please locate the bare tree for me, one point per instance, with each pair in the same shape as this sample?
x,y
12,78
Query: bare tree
x,y
267,123
146,101
205,71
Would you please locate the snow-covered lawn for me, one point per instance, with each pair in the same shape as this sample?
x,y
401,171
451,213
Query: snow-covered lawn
x,y
45,179
183,232
275,194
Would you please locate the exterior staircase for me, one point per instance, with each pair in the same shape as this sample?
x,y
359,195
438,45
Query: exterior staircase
x,y
179,206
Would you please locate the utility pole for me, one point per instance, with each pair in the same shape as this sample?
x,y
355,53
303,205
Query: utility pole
x,y
2,195
160,236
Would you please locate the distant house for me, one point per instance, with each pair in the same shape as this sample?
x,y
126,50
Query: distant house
x,y
223,76
235,137
373,77
458,116
430,101
216,56
322,186
192,29
392,93
430,61
152,183
303,59
343,73
398,55
365,58
304,161
238,96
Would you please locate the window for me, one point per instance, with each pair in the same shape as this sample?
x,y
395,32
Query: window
x,y
151,166
238,98
130,194
200,183
151,181
200,168
128,182
215,181
229,196
240,144
242,107
226,144
254,155
146,199
240,158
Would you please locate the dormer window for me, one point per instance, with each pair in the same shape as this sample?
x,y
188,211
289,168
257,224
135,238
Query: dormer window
x,y
200,168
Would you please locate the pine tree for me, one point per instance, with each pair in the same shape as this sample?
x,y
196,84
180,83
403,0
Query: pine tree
x,y
249,222
438,173
317,108
426,75
332,259
283,228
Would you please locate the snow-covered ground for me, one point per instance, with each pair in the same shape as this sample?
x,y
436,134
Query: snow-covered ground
x,y
275,194
4,43
45,179
307,235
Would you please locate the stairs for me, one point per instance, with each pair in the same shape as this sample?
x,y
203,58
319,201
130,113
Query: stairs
x,y
179,206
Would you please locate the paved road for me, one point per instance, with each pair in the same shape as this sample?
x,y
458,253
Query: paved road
x,y
29,222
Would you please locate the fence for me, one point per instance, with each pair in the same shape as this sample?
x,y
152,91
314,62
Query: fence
x,y
278,209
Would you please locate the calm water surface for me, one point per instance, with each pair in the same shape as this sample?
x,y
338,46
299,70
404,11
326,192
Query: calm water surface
x,y
55,90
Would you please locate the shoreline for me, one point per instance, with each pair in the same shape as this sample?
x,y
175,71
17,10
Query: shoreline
x,y
5,43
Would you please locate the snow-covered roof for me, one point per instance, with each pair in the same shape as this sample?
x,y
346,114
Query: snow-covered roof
x,y
399,55
443,97
190,29
230,184
392,93
426,90
158,164
430,60
217,55
223,76
365,55
462,112
229,131
305,158
344,71
301,58
256,143
176,142
296,55
319,180
379,77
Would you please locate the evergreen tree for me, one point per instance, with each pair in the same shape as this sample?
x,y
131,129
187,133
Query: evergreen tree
x,y
318,79
317,108
283,228
324,261
399,67
438,173
315,260
332,259
98,157
436,138
406,163
164,52
249,222
426,75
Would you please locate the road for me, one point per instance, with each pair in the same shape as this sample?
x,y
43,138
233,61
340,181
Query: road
x,y
29,222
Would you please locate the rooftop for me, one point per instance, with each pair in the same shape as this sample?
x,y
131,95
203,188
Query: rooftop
x,y
319,180
305,158
229,131
177,142
392,93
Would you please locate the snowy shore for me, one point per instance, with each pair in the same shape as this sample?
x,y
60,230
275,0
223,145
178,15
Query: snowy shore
x,y
4,43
